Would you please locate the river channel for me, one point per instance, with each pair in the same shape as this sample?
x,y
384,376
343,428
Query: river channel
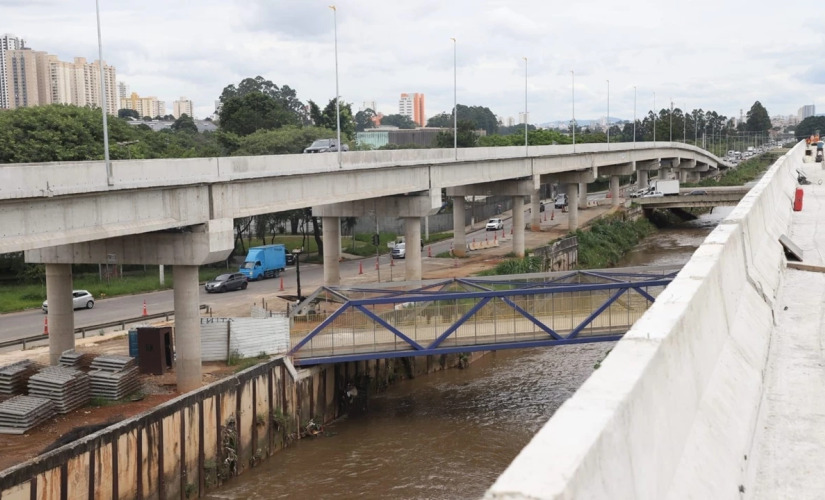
x,y
451,434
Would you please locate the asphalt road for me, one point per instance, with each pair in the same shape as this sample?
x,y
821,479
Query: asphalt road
x,y
31,322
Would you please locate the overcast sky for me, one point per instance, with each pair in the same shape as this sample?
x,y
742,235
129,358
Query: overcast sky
x,y
721,55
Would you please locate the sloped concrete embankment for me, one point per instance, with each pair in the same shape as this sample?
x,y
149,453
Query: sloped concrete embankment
x,y
671,412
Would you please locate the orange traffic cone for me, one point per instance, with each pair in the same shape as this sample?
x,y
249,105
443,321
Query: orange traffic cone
x,y
46,325
360,268
429,251
392,262
282,285
552,215
144,307
376,263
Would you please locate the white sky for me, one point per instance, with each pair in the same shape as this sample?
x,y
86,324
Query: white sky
x,y
721,55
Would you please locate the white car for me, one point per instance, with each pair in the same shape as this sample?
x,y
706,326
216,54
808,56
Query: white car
x,y
654,194
399,251
81,299
495,224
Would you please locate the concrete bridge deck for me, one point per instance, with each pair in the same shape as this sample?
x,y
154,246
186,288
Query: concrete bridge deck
x,y
717,391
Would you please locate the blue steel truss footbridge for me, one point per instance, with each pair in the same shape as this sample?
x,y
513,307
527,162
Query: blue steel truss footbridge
x,y
352,323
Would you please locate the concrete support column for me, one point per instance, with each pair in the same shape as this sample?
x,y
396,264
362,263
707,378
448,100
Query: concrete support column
x,y
683,175
535,211
459,236
61,311
412,245
518,226
582,195
187,327
643,179
331,232
614,190
572,206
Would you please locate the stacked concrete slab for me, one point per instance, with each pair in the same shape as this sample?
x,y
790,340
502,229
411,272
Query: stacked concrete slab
x,y
66,387
14,377
21,413
113,377
672,411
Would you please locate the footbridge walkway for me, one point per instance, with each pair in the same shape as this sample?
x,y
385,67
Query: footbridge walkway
x,y
717,391
476,314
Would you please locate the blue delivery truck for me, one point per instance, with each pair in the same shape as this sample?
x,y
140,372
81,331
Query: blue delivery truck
x,y
264,262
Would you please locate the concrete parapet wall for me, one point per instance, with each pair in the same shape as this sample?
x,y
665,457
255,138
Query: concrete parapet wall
x,y
671,413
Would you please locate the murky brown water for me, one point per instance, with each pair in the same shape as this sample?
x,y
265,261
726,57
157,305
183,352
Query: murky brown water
x,y
448,435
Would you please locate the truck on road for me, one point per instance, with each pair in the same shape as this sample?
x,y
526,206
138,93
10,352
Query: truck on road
x,y
264,262
668,187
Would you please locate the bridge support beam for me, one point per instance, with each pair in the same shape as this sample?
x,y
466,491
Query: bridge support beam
x,y
535,211
331,229
187,328
518,226
644,181
614,190
412,248
582,195
572,206
459,234
61,310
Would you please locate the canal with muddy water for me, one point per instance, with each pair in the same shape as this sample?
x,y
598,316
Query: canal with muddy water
x,y
450,434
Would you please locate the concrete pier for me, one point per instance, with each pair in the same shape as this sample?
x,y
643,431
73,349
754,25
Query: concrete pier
x,y
459,235
187,327
61,310
412,248
518,226
331,228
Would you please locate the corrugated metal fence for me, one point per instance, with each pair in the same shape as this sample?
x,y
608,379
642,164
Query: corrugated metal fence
x,y
246,337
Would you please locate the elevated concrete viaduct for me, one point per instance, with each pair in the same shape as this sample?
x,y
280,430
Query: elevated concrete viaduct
x,y
179,211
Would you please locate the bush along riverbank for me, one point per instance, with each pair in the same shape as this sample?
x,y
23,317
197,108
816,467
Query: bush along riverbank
x,y
601,245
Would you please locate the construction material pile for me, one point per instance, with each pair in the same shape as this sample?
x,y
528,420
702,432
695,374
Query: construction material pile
x,y
66,387
113,377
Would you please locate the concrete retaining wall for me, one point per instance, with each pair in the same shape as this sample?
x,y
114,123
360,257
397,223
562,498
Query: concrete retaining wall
x,y
672,410
181,448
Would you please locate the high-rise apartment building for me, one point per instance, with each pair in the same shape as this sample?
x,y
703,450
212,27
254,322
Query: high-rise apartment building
x,y
145,106
182,106
27,78
122,90
413,107
7,42
806,111
35,78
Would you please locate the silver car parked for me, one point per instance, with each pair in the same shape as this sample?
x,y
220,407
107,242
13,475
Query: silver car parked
x,y
81,299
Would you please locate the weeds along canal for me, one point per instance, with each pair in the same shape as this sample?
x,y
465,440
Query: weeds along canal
x,y
449,434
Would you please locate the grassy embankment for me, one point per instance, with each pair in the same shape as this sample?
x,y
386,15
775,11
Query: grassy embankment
x,y
601,245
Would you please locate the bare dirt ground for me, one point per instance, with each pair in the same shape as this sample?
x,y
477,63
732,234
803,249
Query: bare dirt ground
x,y
159,389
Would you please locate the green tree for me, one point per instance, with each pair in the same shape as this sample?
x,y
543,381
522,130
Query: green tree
x,y
285,140
330,120
253,111
285,96
810,126
128,113
363,120
758,119
185,124
400,121
467,137
59,133
481,117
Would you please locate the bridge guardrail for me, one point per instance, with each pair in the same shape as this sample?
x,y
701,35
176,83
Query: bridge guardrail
x,y
82,330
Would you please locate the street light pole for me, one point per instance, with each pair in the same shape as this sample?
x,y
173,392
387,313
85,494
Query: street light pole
x,y
525,107
671,119
109,179
684,125
634,116
337,95
573,101
455,101
654,117
608,114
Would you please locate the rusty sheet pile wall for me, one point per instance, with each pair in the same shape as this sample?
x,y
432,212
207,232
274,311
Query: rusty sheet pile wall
x,y
193,443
